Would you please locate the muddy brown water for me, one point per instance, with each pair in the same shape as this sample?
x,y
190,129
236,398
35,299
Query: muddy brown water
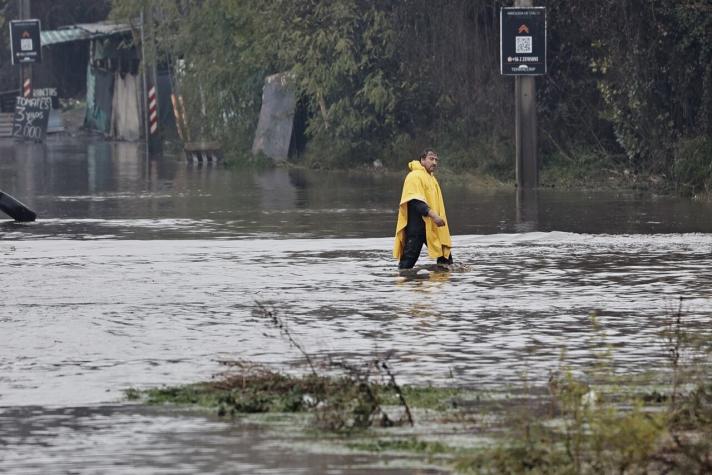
x,y
143,273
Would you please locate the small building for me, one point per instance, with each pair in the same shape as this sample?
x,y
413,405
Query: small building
x,y
112,78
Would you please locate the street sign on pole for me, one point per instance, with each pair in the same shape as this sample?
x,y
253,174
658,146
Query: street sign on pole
x,y
522,41
25,43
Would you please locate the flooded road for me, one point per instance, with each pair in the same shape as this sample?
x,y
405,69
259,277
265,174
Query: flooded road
x,y
84,320
139,274
139,440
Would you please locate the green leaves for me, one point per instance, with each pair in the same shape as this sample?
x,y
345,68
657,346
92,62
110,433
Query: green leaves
x,y
624,75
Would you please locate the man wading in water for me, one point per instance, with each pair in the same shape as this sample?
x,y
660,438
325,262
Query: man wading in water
x,y
421,215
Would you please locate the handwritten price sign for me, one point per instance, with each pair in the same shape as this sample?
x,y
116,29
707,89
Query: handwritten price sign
x,y
31,117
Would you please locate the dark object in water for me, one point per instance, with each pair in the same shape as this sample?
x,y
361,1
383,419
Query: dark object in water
x,y
15,209
203,152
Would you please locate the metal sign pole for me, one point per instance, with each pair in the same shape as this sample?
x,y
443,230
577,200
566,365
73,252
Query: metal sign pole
x,y
527,166
155,135
144,101
525,132
25,68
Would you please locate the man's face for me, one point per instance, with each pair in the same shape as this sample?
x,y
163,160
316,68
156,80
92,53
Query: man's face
x,y
430,162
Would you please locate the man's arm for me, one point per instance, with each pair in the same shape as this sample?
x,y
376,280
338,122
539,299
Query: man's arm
x,y
436,219
423,210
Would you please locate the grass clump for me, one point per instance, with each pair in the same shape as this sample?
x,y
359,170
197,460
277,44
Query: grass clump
x,y
337,402
427,397
585,427
353,399
409,444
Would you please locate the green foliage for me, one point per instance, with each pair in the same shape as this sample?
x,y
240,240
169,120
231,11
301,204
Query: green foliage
x,y
692,166
54,14
426,397
527,456
217,53
410,444
382,80
3,16
580,167
489,155
587,435
653,75
338,403
341,54
592,430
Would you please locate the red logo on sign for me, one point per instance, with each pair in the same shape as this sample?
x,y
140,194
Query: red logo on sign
x,y
523,29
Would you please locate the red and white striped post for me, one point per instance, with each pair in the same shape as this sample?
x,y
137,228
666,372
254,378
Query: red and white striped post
x,y
154,137
152,110
27,88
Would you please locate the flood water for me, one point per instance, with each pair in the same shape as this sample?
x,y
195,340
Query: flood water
x,y
142,273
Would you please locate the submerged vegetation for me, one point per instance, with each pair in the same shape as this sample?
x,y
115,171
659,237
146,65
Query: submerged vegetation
x,y
629,82
590,421
338,403
352,399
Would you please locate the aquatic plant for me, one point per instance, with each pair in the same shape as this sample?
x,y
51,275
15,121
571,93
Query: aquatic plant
x,y
357,403
342,395
582,421
609,428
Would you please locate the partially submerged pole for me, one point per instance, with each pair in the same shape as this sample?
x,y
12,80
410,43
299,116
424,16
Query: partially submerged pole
x,y
16,210
527,168
525,132
144,100
24,13
154,137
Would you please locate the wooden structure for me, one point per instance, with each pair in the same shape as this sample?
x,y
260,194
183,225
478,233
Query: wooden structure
x,y
198,152
202,153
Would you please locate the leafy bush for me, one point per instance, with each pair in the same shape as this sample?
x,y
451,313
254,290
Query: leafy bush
x,y
625,77
692,166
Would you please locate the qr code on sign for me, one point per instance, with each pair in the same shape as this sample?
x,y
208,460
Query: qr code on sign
x,y
523,44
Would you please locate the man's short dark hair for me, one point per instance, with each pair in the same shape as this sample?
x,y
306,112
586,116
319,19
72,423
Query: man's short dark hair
x,y
425,153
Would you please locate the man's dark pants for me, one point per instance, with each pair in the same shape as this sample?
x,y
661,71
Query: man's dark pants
x,y
415,235
411,252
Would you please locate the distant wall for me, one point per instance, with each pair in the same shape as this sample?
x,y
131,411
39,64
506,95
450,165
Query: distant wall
x,y
276,122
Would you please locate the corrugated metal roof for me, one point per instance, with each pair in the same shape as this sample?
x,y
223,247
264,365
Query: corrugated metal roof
x,y
84,31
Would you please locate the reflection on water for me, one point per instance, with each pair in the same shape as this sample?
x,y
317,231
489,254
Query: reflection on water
x,y
527,210
141,273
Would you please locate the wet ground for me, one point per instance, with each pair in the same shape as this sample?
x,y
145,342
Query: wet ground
x,y
141,273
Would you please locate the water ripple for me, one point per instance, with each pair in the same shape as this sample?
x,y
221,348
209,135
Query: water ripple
x,y
84,319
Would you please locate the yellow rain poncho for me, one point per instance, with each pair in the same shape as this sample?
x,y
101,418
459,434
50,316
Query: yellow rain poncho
x,y
421,185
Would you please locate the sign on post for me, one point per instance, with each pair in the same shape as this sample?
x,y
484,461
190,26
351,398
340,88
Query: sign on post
x,y
48,92
31,117
25,42
522,41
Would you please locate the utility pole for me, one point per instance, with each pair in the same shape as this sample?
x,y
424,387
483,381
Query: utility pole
x,y
144,92
154,138
527,168
24,13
